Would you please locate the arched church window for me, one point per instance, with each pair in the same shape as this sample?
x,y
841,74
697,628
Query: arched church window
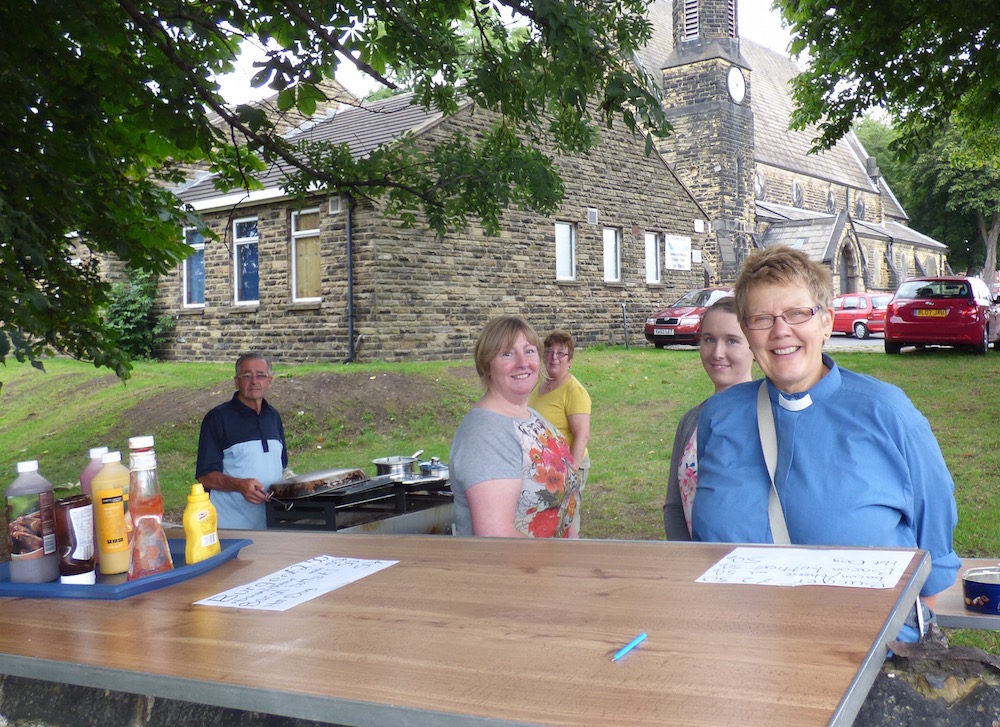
x,y
798,194
759,187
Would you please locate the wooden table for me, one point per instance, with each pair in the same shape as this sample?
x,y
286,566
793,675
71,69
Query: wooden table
x,y
950,607
481,631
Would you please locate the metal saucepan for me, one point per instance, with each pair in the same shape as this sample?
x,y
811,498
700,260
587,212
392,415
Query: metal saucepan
x,y
434,468
396,465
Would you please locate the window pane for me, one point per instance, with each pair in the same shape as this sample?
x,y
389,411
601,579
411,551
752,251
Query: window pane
x,y
307,268
565,251
246,272
306,220
246,228
652,258
194,278
612,269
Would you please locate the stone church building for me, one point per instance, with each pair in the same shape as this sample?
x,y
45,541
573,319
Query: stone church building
x,y
337,279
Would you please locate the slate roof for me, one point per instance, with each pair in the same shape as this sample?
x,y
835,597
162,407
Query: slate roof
x,y
817,237
776,145
362,128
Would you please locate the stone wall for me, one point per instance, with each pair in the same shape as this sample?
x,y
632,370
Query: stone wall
x,y
417,296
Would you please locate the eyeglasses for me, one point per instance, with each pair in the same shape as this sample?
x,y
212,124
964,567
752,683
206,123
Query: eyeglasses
x,y
556,354
250,376
792,316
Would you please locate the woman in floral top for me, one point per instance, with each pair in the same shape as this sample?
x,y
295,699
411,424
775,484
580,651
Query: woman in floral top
x,y
511,471
727,359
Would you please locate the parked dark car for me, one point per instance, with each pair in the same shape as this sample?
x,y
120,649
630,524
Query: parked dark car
x,y
942,311
860,314
681,322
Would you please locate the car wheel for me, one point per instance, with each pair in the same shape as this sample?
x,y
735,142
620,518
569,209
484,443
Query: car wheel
x,y
984,345
659,345
860,329
893,348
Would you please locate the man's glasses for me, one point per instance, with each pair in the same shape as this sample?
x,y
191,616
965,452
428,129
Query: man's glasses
x,y
250,376
792,316
560,355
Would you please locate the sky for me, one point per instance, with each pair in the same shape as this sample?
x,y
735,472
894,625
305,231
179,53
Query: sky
x,y
757,21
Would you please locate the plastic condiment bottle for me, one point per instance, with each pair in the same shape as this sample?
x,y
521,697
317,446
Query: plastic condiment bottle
x,y
75,538
91,469
111,526
31,527
150,549
201,524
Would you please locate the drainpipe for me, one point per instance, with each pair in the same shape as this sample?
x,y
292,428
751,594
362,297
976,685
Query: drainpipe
x,y
350,282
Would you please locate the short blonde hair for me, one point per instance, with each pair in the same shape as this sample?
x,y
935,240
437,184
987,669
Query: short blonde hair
x,y
497,336
782,265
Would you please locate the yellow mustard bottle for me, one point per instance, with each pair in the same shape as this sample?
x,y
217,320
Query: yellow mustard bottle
x,y
200,526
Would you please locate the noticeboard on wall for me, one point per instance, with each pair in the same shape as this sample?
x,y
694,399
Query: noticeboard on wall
x,y
676,252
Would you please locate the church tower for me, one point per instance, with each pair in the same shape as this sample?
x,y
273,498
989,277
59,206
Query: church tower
x,y
706,89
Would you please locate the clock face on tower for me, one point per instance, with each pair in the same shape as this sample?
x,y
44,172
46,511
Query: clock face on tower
x,y
737,84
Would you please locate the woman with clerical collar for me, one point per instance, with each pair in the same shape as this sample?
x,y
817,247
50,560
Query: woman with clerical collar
x,y
854,462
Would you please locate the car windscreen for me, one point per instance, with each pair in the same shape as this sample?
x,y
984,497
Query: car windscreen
x,y
934,289
694,299
881,302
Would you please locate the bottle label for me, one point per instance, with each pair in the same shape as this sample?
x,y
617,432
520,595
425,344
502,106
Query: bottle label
x,y
110,511
82,519
31,526
209,539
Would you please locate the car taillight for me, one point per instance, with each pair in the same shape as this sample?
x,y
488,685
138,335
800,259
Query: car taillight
x,y
969,310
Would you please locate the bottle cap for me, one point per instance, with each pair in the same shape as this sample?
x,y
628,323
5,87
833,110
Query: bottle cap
x,y
30,465
115,456
197,493
143,442
96,452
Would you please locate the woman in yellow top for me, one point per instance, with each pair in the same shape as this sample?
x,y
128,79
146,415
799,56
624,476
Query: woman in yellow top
x,y
563,400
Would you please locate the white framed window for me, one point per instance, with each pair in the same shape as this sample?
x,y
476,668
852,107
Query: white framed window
x,y
193,270
246,272
653,265
565,251
306,266
612,255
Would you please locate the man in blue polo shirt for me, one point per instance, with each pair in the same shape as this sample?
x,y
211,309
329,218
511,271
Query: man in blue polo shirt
x,y
241,449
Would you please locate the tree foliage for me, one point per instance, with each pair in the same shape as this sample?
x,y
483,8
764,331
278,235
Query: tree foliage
x,y
950,189
132,315
923,60
102,104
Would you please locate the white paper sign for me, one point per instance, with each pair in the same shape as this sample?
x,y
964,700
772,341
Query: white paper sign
x,y
297,583
676,252
810,567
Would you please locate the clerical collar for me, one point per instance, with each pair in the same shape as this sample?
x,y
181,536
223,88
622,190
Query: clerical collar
x,y
798,404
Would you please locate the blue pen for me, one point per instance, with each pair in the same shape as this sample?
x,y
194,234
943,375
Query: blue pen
x,y
629,646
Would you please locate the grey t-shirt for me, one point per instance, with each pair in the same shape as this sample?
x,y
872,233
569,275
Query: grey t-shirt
x,y
490,446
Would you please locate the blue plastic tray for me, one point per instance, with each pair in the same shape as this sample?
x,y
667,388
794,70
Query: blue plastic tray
x,y
114,588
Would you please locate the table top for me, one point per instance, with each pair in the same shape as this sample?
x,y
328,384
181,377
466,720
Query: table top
x,y
481,631
950,607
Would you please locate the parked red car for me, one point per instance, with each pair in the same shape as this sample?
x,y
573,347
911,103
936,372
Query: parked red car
x,y
860,314
681,322
946,311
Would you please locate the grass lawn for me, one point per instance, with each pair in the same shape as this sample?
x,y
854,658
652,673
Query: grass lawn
x,y
638,396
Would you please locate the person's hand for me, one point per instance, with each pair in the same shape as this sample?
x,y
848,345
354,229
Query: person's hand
x,y
253,491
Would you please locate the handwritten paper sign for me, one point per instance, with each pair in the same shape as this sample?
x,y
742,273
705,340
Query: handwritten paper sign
x,y
297,583
809,567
